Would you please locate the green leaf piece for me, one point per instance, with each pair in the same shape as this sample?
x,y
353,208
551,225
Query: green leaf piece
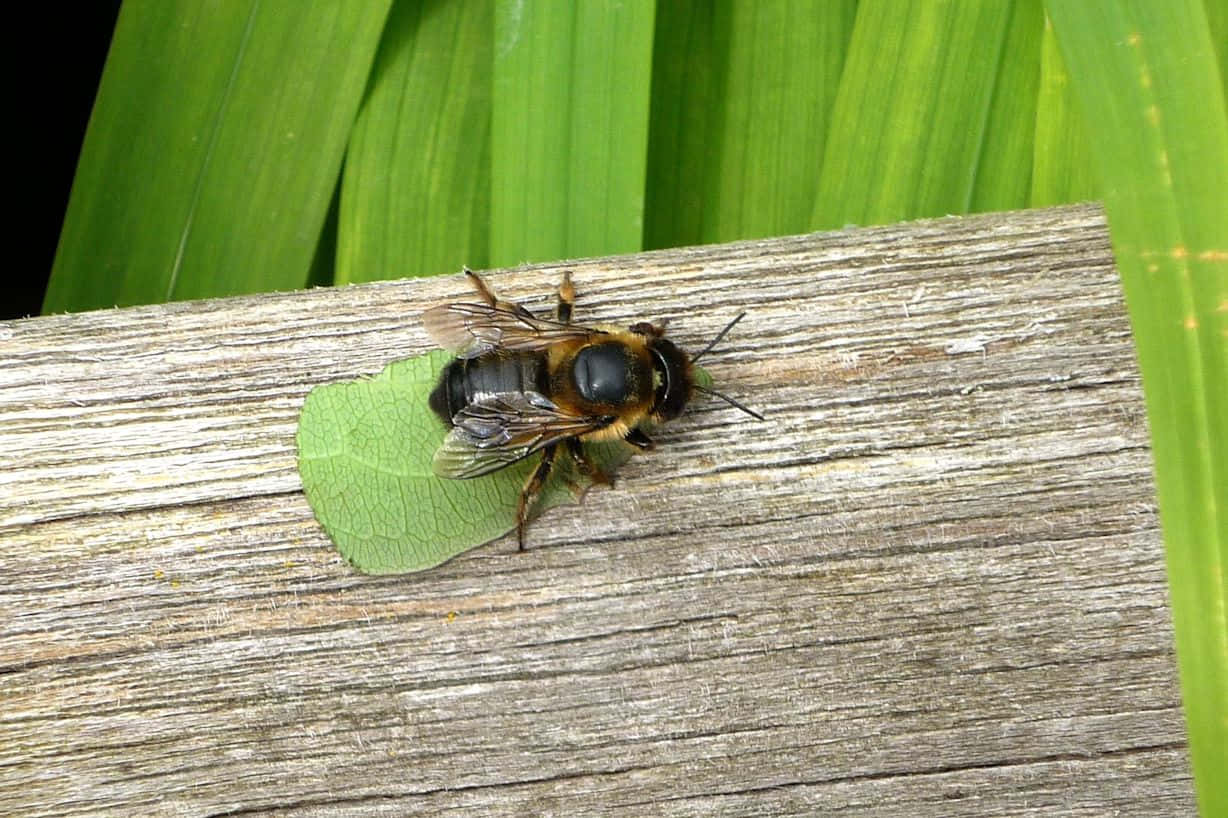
x,y
1151,92
912,111
365,450
415,195
702,377
570,128
213,149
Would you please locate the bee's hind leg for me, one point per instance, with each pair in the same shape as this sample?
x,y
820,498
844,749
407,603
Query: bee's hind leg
x,y
480,286
567,299
487,295
532,490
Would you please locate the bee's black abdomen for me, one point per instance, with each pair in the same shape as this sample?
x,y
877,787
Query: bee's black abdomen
x,y
441,402
465,382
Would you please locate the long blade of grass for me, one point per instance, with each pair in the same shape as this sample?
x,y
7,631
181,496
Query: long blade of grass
x,y
1062,168
911,114
1147,79
213,149
1004,175
1217,21
415,197
741,98
687,89
570,128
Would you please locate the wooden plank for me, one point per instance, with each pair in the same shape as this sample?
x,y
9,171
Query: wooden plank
x,y
931,584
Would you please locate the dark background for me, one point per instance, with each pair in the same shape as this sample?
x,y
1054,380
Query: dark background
x,y
58,69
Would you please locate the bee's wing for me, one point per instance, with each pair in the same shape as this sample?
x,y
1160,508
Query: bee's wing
x,y
471,330
503,429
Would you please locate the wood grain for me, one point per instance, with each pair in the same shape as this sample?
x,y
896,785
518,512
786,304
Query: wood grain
x,y
932,583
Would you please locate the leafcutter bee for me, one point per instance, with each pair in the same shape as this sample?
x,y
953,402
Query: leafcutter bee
x,y
521,384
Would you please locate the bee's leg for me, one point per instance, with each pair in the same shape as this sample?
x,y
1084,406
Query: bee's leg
x,y
567,299
480,286
585,466
638,439
532,490
490,298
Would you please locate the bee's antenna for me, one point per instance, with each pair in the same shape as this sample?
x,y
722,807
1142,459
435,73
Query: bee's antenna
x,y
713,392
726,398
718,338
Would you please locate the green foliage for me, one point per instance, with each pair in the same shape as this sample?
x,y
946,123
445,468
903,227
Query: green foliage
x,y
741,105
415,196
213,149
1063,169
365,450
569,128
912,110
1004,172
497,131
1151,95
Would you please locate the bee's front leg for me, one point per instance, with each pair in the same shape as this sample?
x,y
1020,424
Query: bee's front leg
x,y
532,490
639,440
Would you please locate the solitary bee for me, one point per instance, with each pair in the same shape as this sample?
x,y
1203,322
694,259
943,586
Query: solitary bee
x,y
522,384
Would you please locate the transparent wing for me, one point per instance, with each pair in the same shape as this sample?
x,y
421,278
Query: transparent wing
x,y
504,429
471,330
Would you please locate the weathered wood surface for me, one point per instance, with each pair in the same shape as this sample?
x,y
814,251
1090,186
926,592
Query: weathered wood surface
x,y
931,584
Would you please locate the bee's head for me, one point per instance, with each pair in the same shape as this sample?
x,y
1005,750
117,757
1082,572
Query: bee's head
x,y
671,369
673,373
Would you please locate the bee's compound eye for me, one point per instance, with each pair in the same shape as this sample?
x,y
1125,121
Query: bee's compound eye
x,y
601,373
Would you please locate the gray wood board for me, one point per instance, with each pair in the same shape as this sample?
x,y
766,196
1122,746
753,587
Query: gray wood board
x,y
932,583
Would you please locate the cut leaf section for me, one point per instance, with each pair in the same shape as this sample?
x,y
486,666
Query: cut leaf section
x,y
365,451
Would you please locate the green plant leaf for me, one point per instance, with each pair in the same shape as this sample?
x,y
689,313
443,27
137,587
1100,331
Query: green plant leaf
x,y
365,450
1217,21
1004,172
570,128
1150,88
416,187
741,98
912,111
1062,169
213,149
